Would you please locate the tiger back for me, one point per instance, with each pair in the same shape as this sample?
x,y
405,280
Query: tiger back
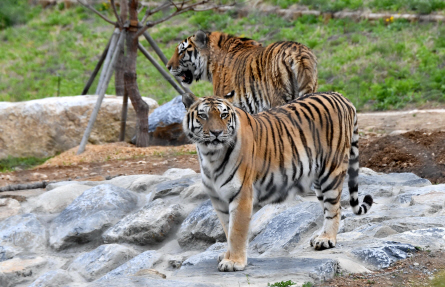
x,y
248,160
245,73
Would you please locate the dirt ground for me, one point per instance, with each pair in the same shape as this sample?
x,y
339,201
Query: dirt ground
x,y
410,141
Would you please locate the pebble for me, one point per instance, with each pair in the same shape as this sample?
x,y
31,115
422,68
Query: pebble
x,y
416,264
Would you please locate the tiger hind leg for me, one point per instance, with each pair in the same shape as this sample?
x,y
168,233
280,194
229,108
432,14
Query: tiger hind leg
x,y
330,201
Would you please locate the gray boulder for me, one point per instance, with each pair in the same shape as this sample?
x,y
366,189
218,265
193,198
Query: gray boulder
x,y
201,228
145,260
175,173
149,225
53,278
175,187
429,238
386,253
165,124
103,259
23,231
90,214
138,281
286,229
407,192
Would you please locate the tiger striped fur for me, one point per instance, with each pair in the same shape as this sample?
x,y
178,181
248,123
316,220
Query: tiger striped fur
x,y
248,160
252,77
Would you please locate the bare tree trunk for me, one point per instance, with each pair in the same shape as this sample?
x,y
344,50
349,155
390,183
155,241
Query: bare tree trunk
x,y
141,107
119,76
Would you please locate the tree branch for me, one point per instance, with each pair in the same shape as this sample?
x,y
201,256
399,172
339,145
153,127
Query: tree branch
x,y
115,14
97,12
177,12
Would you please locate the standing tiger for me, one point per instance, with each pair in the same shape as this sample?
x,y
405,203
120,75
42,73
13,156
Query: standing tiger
x,y
252,77
265,158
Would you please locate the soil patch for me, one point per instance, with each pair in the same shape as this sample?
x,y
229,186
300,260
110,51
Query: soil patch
x,y
418,270
420,152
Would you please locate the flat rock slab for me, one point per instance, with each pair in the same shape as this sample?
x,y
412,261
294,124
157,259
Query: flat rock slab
x,y
138,281
174,187
9,207
90,214
429,238
17,270
393,179
318,269
96,263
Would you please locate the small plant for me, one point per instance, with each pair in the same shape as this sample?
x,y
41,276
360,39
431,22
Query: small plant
x,y
12,163
308,284
285,284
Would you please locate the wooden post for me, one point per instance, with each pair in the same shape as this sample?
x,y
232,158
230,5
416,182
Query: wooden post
x,y
160,69
96,69
110,53
102,89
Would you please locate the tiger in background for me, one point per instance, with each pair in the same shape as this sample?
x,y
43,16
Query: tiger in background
x,y
248,160
252,77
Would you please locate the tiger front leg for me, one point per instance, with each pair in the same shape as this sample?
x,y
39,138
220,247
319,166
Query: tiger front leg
x,y
327,237
235,259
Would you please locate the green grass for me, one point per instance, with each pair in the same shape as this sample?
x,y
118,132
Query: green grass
x,y
378,65
439,280
399,6
12,163
282,284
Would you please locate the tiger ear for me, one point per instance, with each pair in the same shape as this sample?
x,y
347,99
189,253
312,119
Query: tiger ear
x,y
188,99
200,39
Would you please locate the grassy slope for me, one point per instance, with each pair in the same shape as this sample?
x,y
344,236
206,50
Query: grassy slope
x,y
378,65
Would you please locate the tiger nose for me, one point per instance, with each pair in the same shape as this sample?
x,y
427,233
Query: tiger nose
x,y
216,133
168,66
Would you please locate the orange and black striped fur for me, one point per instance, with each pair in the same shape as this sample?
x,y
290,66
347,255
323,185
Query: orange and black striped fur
x,y
252,77
257,159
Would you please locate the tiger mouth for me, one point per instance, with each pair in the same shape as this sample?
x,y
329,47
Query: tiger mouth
x,y
187,77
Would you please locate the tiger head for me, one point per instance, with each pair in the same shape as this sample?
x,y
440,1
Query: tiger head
x,y
209,121
189,62
193,56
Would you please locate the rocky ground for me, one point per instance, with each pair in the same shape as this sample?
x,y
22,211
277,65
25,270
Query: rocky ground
x,y
120,216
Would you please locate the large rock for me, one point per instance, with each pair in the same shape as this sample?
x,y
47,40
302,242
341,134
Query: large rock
x,y
23,231
201,228
52,125
286,229
211,253
318,269
55,200
103,259
429,238
53,278
407,192
8,252
165,124
138,281
145,260
90,214
17,270
149,225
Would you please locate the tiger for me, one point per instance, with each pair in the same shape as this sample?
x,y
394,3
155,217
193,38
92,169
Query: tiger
x,y
252,160
252,77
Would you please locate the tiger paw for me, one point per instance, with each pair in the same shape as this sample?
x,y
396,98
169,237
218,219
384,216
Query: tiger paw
x,y
323,242
227,265
223,256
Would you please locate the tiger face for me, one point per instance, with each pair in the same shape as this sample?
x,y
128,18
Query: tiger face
x,y
188,62
209,121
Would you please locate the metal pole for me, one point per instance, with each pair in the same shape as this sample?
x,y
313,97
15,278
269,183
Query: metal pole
x,y
160,69
102,88
162,56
